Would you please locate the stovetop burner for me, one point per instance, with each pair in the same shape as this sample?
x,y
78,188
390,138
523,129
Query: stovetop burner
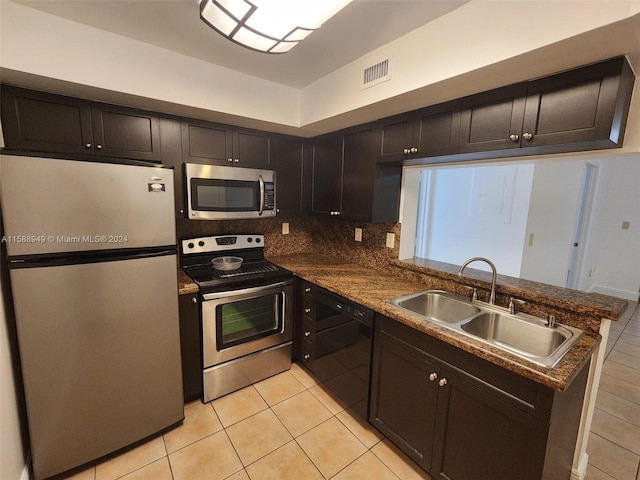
x,y
197,254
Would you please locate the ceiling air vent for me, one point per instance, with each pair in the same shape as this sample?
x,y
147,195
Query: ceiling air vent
x,y
375,74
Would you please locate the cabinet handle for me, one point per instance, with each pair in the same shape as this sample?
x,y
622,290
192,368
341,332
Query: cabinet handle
x,y
99,147
230,160
236,160
307,310
442,382
514,137
306,356
306,334
87,145
433,377
307,290
527,136
406,151
194,300
414,150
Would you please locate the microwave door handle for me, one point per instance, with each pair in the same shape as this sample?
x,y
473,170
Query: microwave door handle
x,y
261,181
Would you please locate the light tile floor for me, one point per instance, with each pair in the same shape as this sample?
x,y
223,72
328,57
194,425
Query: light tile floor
x,y
293,426
614,443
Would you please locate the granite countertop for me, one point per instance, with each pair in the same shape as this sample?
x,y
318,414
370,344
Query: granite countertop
x,y
185,284
373,287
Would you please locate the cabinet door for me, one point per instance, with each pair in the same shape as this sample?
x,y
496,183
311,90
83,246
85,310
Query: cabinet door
x,y
327,175
41,122
251,149
396,138
126,133
190,341
358,175
288,157
206,142
481,437
575,106
438,130
403,399
492,120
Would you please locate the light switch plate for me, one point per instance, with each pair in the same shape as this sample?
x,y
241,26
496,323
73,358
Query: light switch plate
x,y
391,240
285,228
358,235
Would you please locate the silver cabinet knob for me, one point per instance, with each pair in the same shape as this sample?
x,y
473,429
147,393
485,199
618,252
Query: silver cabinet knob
x,y
230,160
406,151
442,382
306,356
514,137
527,136
307,310
236,160
87,145
414,150
433,377
99,147
194,300
307,290
306,334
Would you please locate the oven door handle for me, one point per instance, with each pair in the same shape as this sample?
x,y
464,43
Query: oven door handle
x,y
245,291
261,181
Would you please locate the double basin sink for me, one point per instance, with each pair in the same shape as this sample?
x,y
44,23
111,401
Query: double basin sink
x,y
523,335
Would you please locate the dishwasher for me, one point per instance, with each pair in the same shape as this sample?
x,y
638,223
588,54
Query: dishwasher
x,y
336,344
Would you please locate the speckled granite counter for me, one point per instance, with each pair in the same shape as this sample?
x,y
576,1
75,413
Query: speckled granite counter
x,y
374,287
185,284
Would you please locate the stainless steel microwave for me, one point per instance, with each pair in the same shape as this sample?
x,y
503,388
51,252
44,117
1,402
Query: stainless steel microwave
x,y
223,193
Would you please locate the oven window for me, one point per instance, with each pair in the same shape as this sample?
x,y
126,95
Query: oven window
x,y
224,195
245,320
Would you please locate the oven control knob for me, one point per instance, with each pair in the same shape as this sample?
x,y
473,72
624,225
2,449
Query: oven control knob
x,y
201,243
258,240
190,245
249,239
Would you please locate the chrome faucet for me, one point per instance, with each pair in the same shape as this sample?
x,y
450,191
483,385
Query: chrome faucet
x,y
492,296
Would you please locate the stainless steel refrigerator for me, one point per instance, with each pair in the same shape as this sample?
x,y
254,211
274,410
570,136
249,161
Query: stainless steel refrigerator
x,y
92,258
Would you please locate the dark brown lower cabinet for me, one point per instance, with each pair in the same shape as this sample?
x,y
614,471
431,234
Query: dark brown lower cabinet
x,y
462,418
190,341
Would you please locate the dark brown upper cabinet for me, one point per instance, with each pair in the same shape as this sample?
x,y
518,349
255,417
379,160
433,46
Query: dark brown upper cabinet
x,y
492,120
347,182
581,109
428,132
326,190
288,154
42,122
218,144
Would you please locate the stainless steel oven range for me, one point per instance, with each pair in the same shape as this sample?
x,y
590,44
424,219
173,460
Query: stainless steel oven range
x,y
246,313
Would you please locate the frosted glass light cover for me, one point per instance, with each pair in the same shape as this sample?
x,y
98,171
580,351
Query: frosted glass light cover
x,y
273,26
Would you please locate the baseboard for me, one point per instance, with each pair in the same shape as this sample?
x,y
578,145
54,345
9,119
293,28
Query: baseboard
x,y
614,292
580,472
26,471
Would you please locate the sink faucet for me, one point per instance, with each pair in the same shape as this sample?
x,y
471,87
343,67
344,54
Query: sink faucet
x,y
492,296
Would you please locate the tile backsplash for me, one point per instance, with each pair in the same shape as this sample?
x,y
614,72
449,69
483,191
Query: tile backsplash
x,y
326,236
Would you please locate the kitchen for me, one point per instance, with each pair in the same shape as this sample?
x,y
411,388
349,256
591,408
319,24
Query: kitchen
x,y
156,85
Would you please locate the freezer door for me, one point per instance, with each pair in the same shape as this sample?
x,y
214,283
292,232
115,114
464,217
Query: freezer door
x,y
53,206
100,354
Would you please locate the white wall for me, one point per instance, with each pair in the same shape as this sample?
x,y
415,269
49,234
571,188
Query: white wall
x,y
554,203
478,211
611,253
470,38
41,44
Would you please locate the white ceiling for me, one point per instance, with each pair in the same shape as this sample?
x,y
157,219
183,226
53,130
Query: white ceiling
x,y
359,28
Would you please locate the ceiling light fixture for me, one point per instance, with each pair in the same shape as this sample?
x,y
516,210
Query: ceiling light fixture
x,y
271,26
